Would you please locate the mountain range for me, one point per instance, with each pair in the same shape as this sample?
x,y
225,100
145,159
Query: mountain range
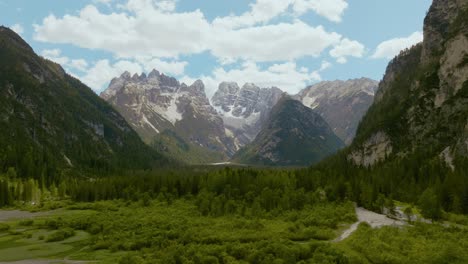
x,y
181,122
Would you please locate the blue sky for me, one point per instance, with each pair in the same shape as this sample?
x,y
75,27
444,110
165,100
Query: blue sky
x,y
287,43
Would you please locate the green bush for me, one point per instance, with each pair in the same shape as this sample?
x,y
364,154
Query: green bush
x,y
26,222
4,227
60,235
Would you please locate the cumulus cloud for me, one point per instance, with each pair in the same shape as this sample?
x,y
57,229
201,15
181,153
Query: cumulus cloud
x,y
79,64
263,11
333,10
145,31
279,42
18,28
55,56
147,34
390,48
347,48
150,28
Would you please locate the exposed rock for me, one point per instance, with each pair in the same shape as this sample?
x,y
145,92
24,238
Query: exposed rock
x,y
447,157
375,149
422,103
341,103
245,110
155,103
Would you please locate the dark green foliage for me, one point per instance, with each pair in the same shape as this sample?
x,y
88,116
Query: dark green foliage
x,y
430,205
4,227
48,117
421,243
60,235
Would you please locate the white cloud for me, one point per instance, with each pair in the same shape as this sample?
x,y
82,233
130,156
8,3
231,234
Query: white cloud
x,y
347,48
390,48
333,10
48,53
151,28
18,28
146,31
147,34
105,2
325,65
79,64
55,56
168,67
261,11
272,42
286,76
103,71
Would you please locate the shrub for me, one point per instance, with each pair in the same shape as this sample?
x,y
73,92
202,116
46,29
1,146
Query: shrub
x,y
4,227
26,222
60,235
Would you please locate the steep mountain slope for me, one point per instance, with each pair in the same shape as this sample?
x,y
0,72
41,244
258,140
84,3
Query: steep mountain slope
x,y
422,103
176,118
341,103
293,135
244,110
50,120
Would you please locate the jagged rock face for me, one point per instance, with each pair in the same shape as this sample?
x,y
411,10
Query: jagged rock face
x,y
155,103
341,103
244,110
293,135
437,25
422,102
375,149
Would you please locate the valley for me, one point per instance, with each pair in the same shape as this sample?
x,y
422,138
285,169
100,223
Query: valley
x,y
120,156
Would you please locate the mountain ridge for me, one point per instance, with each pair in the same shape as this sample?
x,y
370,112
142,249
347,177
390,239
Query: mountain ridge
x,y
294,135
60,122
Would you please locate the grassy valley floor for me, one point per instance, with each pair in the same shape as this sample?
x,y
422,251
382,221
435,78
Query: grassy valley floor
x,y
176,232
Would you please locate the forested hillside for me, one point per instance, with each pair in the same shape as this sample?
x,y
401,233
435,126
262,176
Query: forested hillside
x,y
52,124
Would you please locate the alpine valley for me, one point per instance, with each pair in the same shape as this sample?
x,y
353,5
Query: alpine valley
x,y
181,122
153,170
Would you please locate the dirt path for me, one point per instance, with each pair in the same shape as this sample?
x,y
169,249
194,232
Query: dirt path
x,y
375,220
46,261
7,215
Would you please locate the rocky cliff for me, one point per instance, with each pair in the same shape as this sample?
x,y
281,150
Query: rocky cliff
x,y
422,102
244,110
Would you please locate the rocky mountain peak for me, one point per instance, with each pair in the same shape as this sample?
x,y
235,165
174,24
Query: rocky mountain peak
x,y
15,39
199,86
341,103
293,135
245,109
126,75
153,74
156,103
